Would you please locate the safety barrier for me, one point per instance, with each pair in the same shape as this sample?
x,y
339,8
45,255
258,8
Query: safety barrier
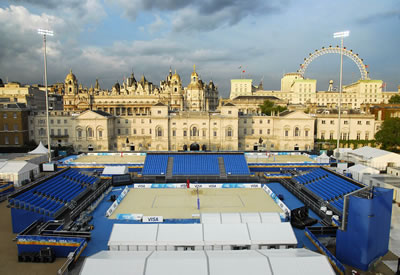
x,y
278,202
338,266
117,202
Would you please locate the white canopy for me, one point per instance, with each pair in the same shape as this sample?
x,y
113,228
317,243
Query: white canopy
x,y
115,170
357,171
323,158
255,262
18,171
40,150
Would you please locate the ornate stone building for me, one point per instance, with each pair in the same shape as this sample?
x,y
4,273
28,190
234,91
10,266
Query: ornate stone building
x,y
137,97
295,89
222,130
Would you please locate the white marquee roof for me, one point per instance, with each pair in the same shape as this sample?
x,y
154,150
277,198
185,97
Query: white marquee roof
x,y
255,262
40,150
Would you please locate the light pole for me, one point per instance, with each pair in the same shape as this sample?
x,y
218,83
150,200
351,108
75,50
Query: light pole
x,y
340,35
46,33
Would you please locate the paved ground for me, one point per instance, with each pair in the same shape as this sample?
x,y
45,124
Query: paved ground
x,y
111,159
278,159
182,203
8,252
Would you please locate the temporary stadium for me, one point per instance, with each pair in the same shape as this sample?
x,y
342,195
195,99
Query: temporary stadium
x,y
200,213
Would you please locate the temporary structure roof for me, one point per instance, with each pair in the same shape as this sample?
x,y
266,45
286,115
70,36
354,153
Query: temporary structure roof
x,y
369,152
270,217
40,149
138,234
175,234
194,263
231,218
251,217
234,262
297,261
210,217
226,234
323,158
122,262
256,217
17,167
256,262
274,233
115,170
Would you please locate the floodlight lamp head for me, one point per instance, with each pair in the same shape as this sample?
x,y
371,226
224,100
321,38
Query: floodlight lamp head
x,y
341,34
45,32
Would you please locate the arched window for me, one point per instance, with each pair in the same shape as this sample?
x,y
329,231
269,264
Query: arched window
x,y
90,132
296,132
158,132
79,133
194,131
229,132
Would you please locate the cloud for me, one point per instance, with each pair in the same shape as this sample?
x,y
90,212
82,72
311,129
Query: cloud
x,y
157,25
377,17
202,15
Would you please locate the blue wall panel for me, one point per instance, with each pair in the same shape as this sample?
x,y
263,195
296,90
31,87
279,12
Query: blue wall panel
x,y
367,234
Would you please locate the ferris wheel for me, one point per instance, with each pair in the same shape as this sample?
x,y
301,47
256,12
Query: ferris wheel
x,y
349,53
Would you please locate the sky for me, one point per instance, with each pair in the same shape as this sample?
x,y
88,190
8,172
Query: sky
x,y
110,39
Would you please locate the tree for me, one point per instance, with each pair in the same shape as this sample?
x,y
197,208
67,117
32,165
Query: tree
x,y
395,99
389,134
268,107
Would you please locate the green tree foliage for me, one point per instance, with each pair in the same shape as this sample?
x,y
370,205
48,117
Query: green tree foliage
x,y
268,107
395,99
389,134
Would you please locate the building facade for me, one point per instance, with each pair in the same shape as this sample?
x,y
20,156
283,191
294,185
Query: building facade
x,y
13,125
222,130
31,96
295,89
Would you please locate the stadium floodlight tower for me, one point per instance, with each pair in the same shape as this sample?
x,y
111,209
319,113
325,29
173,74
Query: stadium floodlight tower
x,y
340,35
46,33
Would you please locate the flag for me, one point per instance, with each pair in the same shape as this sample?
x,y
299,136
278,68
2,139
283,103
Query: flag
x,y
243,71
383,85
240,67
366,66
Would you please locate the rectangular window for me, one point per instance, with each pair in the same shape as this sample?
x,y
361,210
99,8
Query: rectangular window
x,y
52,132
65,121
126,121
323,122
332,122
58,121
184,133
134,131
59,132
66,132
51,121
359,122
260,121
118,121
366,136
260,132
174,133
126,131
252,131
368,122
150,131
142,131
245,121
118,131
6,141
358,136
5,116
204,133
331,136
346,122
286,133
15,127
244,131
268,131
15,116
215,133
306,133
16,140
322,136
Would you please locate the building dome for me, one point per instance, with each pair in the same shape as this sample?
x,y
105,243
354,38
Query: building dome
x,y
70,77
175,77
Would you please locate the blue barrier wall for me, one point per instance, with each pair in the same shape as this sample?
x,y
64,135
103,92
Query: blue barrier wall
x,y
21,219
61,246
368,228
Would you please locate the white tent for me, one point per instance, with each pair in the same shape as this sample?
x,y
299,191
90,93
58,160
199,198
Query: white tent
x,y
255,262
115,170
18,171
207,236
323,158
40,150
357,171
375,158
